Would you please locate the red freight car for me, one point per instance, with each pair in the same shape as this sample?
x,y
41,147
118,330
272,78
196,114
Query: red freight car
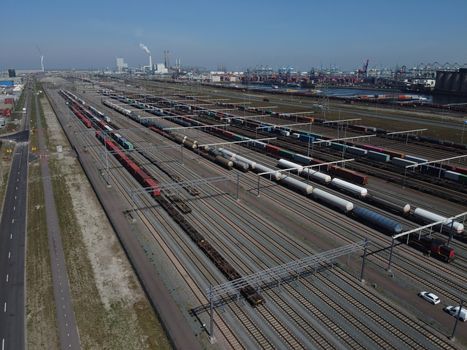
x,y
373,148
394,153
272,149
85,120
139,174
350,175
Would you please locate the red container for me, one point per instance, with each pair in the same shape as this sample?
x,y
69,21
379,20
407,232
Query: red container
x,y
350,175
272,149
459,169
373,148
394,153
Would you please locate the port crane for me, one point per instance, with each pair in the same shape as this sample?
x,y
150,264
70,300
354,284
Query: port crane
x,y
363,71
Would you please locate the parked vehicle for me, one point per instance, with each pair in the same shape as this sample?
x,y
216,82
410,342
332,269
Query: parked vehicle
x,y
430,297
454,311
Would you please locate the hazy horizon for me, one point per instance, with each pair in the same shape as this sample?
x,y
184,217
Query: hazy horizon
x,y
236,35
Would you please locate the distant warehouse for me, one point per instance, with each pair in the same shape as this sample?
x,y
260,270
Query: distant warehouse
x,y
452,83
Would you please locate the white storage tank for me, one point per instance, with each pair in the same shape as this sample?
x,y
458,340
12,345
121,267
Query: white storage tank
x,y
337,202
432,217
316,175
297,185
285,164
232,156
350,187
273,174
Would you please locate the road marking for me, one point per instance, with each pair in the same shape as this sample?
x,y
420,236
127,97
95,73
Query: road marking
x,y
16,187
4,307
15,197
11,235
14,208
7,277
17,180
9,255
12,221
3,343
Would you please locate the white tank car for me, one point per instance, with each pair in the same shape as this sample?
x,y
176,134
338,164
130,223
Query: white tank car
x,y
333,200
350,187
432,217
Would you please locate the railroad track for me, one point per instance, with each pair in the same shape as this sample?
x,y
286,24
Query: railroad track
x,y
122,183
370,168
415,148
294,345
280,330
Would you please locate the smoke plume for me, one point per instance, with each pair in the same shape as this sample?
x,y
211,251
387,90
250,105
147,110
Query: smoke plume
x,y
145,48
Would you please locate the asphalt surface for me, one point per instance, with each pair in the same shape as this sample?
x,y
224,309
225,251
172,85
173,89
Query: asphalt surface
x,y
66,321
12,246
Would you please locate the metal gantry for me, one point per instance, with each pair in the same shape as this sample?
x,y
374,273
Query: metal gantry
x,y
345,138
236,142
282,125
275,171
449,222
196,127
183,184
436,162
275,276
338,121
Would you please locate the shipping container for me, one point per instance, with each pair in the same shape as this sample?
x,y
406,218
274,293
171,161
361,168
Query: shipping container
x,y
378,156
402,163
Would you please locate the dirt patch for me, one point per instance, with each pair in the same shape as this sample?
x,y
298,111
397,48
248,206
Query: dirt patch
x,y
114,278
54,130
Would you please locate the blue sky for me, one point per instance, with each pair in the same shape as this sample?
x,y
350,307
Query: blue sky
x,y
236,33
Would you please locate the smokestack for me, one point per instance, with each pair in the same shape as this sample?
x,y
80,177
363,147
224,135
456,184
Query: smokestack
x,y
145,49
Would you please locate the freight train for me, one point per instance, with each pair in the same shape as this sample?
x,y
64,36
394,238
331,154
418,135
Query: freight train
x,y
258,145
452,173
93,116
435,247
278,151
398,159
152,187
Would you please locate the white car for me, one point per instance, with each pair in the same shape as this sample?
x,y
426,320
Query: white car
x,y
454,311
430,297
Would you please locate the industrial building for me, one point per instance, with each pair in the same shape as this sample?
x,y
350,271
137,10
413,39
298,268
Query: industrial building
x,y
121,65
451,82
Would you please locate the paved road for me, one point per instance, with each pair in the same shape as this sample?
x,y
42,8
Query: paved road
x,y
66,322
19,136
12,246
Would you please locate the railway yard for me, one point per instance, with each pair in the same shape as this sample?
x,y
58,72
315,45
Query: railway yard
x,y
223,188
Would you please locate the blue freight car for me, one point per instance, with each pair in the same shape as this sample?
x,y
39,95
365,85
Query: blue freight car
x,y
377,220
